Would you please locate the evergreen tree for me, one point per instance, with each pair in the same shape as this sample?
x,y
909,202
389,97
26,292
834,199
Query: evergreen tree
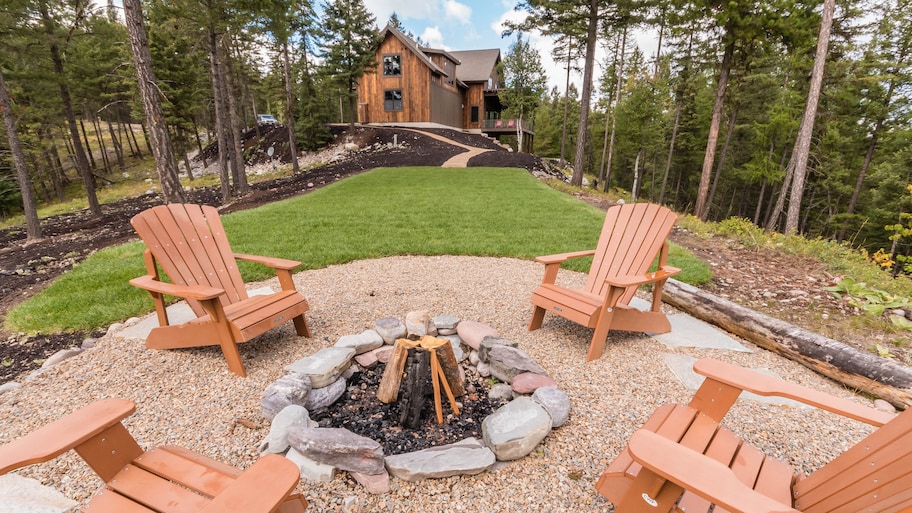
x,y
525,82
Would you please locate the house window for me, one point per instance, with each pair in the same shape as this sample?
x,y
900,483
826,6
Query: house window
x,y
392,65
392,99
474,114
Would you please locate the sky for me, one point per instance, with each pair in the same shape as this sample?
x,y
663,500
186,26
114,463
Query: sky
x,y
469,25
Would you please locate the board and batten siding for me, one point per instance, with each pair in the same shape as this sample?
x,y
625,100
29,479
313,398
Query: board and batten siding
x,y
413,83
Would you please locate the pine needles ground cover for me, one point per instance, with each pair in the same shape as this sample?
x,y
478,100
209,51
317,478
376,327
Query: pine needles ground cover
x,y
393,211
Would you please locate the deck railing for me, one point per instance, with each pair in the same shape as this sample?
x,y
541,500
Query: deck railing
x,y
508,124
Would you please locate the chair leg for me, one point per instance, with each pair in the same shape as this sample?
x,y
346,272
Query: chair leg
x,y
538,315
600,335
300,324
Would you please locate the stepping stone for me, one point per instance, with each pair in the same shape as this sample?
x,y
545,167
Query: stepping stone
x,y
324,366
688,331
514,430
467,457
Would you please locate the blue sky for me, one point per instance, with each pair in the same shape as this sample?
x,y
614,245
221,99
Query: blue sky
x,y
474,25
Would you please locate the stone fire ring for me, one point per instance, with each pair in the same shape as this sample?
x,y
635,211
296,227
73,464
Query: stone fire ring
x,y
536,406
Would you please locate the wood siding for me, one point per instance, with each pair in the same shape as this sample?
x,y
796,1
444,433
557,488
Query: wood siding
x,y
474,97
413,83
446,106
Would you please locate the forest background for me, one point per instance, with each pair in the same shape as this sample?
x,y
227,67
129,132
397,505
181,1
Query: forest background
x,y
717,122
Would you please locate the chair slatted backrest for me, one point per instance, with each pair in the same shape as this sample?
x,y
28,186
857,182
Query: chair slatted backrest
x,y
874,476
631,238
189,243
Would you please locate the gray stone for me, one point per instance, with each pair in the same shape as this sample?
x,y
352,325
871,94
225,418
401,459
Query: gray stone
x,y
472,332
376,484
488,342
516,428
467,457
882,405
338,447
445,322
556,402
312,471
390,328
501,392
506,362
483,369
419,324
60,356
473,357
324,366
363,342
289,389
26,495
114,328
89,343
321,398
446,331
276,442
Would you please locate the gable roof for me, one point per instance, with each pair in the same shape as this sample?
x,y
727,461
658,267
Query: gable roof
x,y
476,65
414,48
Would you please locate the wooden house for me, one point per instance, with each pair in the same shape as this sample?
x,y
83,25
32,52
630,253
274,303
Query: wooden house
x,y
412,84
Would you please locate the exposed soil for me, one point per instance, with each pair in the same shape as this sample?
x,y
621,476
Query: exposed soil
x,y
769,281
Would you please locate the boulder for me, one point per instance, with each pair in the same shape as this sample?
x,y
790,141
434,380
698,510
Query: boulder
x,y
516,428
338,447
290,389
363,342
276,442
467,457
321,398
324,366
556,402
507,362
472,332
489,342
390,328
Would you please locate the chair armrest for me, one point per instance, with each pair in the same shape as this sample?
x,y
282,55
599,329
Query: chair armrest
x,y
198,292
761,384
563,257
629,281
699,474
273,263
260,488
63,434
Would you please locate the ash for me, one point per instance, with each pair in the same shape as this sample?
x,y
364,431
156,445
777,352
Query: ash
x,y
359,411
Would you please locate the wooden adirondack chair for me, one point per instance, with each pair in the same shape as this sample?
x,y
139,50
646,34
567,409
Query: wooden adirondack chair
x,y
632,236
682,459
164,479
189,243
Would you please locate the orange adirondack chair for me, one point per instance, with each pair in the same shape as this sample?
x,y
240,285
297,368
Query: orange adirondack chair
x,y
632,236
682,459
189,243
164,479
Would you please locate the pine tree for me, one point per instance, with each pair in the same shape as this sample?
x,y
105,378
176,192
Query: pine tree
x,y
525,81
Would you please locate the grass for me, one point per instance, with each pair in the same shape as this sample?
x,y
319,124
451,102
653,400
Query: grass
x,y
420,211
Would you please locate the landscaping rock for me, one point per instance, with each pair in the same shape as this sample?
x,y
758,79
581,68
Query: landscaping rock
x,y
516,428
311,470
507,362
376,484
456,344
26,495
338,447
384,354
276,442
556,402
367,360
291,388
419,324
324,366
483,369
89,343
390,328
501,392
445,322
467,457
60,356
489,342
472,332
9,385
529,382
321,398
361,343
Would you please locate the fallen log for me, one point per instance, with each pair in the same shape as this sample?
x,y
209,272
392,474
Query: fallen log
x,y
880,377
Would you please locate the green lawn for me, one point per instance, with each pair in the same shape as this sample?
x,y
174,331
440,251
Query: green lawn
x,y
390,211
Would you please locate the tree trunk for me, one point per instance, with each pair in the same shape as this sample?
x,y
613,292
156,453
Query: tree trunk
x,y
582,135
721,162
32,226
566,101
289,112
671,149
702,209
803,143
608,117
96,124
160,140
878,376
239,165
606,184
88,147
118,149
220,115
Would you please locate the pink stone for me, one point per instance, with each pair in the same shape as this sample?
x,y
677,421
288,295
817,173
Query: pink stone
x,y
367,360
384,353
374,484
529,382
472,332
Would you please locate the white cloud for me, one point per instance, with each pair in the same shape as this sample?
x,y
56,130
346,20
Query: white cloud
x,y
454,9
433,38
383,9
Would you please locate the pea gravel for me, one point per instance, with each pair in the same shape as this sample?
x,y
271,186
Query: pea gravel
x,y
189,398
